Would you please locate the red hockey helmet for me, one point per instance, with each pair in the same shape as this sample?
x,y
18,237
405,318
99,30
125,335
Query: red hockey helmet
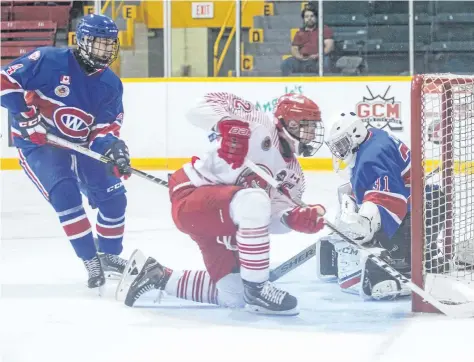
x,y
300,118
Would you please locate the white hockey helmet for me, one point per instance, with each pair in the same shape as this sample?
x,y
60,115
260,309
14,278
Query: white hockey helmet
x,y
346,135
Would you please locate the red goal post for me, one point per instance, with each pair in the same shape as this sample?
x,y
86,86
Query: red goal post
x,y
442,155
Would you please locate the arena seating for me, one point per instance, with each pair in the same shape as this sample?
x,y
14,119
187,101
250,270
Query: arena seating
x,y
20,37
376,31
27,25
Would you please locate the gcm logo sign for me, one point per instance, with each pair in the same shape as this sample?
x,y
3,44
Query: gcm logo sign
x,y
73,122
377,110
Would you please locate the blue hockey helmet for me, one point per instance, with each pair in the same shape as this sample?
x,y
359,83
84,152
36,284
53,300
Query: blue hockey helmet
x,y
97,41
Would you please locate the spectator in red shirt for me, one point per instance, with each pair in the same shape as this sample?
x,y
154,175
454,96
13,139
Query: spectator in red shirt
x,y
305,46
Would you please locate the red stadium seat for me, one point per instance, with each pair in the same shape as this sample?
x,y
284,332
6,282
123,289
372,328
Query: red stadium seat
x,y
27,25
6,13
15,52
27,43
20,37
27,35
58,13
5,61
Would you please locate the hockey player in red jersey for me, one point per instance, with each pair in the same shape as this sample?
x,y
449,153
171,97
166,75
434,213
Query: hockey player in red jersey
x,y
229,211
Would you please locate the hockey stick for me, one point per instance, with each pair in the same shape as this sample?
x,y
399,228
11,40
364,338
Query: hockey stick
x,y
292,263
448,309
55,140
306,254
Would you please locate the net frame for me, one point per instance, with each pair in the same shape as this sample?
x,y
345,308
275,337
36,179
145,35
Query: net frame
x,y
448,87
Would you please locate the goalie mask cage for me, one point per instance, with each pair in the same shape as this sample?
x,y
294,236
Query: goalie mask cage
x,y
442,151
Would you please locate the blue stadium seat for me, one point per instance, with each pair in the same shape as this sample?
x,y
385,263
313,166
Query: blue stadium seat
x,y
388,19
345,20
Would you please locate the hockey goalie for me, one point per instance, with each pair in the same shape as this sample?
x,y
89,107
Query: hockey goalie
x,y
229,211
375,211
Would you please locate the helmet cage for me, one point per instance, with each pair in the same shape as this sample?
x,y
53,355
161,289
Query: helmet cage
x,y
98,52
342,146
309,134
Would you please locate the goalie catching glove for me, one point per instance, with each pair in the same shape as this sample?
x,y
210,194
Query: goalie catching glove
x,y
308,220
360,225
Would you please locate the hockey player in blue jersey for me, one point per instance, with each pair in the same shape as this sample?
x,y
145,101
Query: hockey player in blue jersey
x,y
375,210
74,95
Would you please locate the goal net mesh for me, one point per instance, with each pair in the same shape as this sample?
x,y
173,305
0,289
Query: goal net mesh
x,y
446,118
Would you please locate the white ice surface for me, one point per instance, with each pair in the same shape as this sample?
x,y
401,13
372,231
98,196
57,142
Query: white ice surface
x,y
47,313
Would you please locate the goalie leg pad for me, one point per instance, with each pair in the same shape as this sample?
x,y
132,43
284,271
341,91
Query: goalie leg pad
x,y
379,285
349,267
326,260
359,275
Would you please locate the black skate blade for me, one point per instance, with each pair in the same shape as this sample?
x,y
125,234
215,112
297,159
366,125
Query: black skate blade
x,y
256,309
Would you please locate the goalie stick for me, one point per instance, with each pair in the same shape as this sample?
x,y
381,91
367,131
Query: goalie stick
x,y
306,254
452,310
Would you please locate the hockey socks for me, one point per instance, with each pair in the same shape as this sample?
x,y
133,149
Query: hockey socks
x,y
195,285
254,253
78,229
110,225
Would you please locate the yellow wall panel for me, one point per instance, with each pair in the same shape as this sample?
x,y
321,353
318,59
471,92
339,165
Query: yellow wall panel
x,y
181,14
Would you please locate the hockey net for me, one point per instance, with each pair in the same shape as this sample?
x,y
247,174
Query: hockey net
x,y
442,182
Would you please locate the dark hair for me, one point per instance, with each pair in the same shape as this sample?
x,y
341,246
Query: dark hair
x,y
309,7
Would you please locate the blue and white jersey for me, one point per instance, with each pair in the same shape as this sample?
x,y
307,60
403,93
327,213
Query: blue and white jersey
x,y
381,175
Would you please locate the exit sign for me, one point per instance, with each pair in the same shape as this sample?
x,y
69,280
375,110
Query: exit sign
x,y
203,10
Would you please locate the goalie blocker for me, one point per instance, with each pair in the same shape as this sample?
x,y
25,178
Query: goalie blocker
x,y
339,261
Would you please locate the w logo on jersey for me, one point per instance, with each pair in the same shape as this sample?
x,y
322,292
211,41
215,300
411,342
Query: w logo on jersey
x,y
73,122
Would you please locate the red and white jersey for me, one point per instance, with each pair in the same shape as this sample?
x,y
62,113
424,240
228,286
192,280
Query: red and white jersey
x,y
264,149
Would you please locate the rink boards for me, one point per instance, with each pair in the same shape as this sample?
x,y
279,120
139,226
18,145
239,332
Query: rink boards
x,y
159,137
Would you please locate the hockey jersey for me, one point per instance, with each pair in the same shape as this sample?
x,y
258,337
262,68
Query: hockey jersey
x,y
381,174
264,150
84,109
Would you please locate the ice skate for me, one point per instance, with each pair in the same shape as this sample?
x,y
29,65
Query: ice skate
x,y
152,276
265,298
96,273
113,265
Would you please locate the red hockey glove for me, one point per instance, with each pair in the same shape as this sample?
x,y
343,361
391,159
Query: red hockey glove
x,y
306,220
31,126
235,142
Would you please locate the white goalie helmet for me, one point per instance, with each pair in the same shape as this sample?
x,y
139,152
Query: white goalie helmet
x,y
346,135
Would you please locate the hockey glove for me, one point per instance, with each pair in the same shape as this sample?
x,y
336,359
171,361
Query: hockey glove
x,y
118,152
235,142
360,225
308,220
31,126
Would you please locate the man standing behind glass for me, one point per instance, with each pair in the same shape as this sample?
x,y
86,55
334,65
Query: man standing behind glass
x,y
305,46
